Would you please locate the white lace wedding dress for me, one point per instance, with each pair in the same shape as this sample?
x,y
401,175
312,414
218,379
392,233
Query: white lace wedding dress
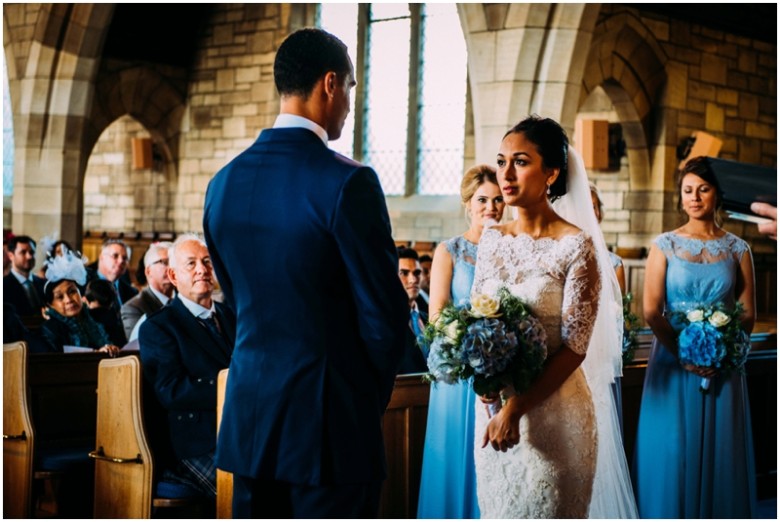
x,y
550,473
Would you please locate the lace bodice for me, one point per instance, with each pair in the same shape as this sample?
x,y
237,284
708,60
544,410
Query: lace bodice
x,y
464,257
557,278
700,272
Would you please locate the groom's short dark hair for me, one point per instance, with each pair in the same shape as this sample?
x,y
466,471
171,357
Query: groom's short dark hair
x,y
305,57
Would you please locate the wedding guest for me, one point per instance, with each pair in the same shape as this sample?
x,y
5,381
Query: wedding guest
x,y
301,430
425,281
694,451
617,262
409,272
112,266
6,258
770,211
100,297
54,249
184,346
158,292
553,450
22,288
69,322
448,487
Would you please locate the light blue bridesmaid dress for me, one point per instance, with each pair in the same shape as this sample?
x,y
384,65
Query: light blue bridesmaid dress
x,y
694,452
448,485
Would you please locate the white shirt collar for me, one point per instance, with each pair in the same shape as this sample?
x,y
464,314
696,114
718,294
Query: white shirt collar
x,y
197,310
159,295
19,277
286,120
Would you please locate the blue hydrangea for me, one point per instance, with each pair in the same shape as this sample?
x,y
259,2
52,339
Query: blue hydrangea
x,y
488,347
700,344
444,361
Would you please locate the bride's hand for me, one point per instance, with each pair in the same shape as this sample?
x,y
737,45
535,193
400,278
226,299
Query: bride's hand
x,y
503,430
701,371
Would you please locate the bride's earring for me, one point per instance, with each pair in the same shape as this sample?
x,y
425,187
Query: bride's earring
x,y
548,190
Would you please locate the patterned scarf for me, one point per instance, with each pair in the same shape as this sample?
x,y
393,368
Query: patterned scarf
x,y
83,329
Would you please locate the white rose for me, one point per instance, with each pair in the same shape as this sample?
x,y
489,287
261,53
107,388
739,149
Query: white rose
x,y
695,316
718,319
483,305
452,330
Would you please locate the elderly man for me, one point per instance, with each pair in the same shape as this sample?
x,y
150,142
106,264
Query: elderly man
x,y
112,265
21,288
158,292
410,272
183,348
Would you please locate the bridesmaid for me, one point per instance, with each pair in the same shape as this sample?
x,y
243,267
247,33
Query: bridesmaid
x,y
448,487
694,452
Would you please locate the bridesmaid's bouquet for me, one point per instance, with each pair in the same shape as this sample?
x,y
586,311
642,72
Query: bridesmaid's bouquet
x,y
712,336
630,330
493,339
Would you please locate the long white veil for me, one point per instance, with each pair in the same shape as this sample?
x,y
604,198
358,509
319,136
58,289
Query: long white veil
x,y
613,495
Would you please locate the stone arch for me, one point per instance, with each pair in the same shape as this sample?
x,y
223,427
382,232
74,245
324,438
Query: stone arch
x,y
53,69
629,64
523,59
144,94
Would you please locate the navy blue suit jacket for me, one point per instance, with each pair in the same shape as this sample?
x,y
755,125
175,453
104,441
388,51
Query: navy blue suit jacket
x,y
300,240
14,294
181,360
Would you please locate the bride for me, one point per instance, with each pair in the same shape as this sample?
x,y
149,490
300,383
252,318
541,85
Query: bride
x,y
559,452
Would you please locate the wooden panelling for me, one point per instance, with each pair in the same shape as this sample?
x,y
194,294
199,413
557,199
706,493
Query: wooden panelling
x,y
404,430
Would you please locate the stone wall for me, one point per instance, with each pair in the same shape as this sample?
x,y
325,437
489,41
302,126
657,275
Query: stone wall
x,y
118,198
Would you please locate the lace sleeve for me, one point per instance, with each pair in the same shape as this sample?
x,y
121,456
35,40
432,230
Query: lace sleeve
x,y
485,267
580,299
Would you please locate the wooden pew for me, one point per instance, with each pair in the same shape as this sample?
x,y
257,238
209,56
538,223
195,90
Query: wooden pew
x,y
18,434
404,427
224,478
125,478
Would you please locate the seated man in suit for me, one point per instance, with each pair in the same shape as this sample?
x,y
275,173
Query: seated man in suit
x,y
409,271
22,288
112,266
183,348
158,292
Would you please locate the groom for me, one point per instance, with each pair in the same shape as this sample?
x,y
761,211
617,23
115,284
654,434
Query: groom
x,y
300,241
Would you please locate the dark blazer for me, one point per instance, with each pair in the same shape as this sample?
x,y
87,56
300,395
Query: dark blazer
x,y
145,303
181,359
300,240
126,290
14,294
413,360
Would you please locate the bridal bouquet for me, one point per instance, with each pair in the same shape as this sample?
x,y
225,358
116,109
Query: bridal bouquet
x,y
712,336
494,339
630,330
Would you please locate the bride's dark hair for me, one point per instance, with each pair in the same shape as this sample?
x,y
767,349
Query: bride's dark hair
x,y
552,144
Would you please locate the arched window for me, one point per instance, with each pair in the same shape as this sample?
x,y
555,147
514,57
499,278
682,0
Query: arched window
x,y
8,136
409,111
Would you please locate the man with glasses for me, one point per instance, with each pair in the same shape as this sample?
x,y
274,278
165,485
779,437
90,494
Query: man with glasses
x,y
156,295
112,266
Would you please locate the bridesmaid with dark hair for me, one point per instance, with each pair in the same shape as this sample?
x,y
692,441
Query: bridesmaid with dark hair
x,y
694,451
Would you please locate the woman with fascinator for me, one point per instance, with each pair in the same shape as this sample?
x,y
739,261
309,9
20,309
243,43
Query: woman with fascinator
x,y
69,322
555,450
